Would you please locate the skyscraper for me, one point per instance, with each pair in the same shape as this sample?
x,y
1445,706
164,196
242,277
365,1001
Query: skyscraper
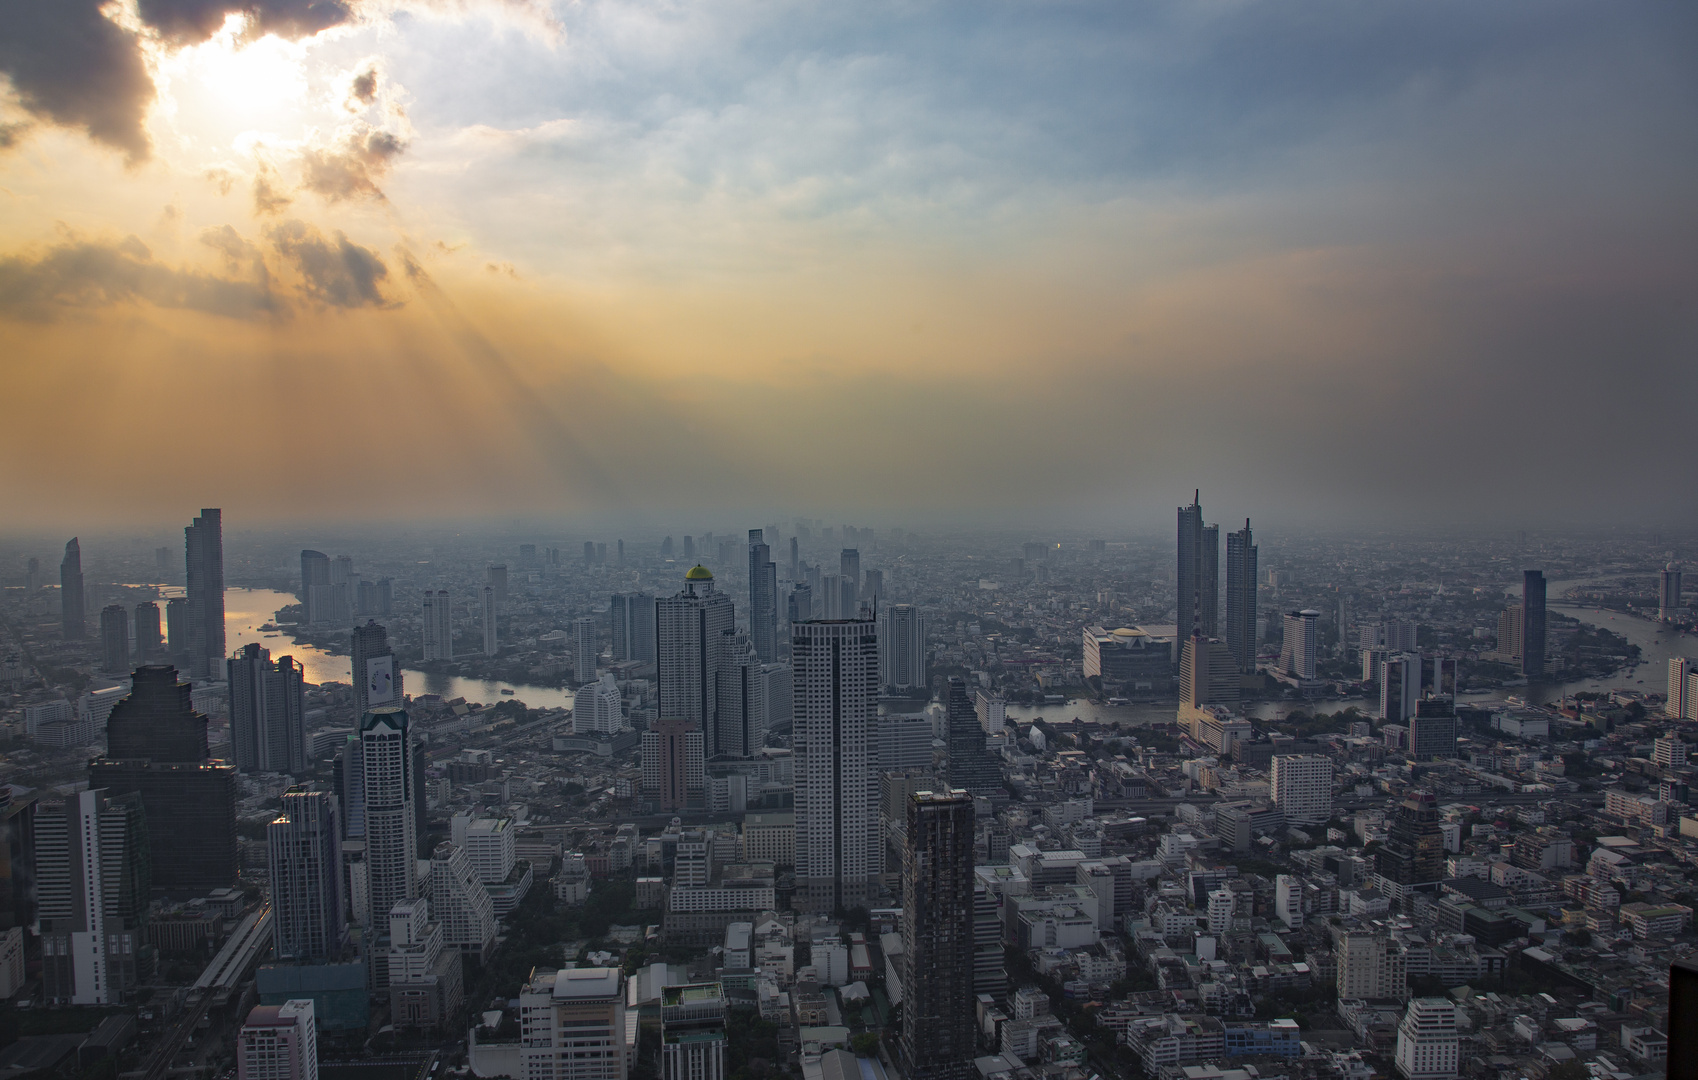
x,y
114,638
1400,687
438,615
93,882
971,767
377,681
278,1042
203,547
72,623
740,719
32,575
586,649
1428,1045
1432,729
1533,624
763,598
795,559
1301,644
850,566
150,649
1412,857
690,630
902,649
1199,570
672,763
177,629
491,638
801,604
387,779
1682,701
1240,598
304,848
597,707
937,937
835,750
315,586
267,712
1302,787
1668,595
496,578
631,619
1208,675
156,744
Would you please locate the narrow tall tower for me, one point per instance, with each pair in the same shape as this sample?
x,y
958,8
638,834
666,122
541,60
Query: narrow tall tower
x,y
1199,571
267,712
937,937
690,629
387,780
203,551
304,845
1533,624
1241,598
763,598
72,620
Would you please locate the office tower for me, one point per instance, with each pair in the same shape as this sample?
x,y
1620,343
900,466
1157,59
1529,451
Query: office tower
x,y
596,707
496,578
278,1042
1412,857
1682,702
938,1040
740,721
1400,687
71,619
17,863
989,974
1509,635
692,1032
690,629
203,547
830,600
1302,787
795,559
150,649
589,552
849,565
527,554
1668,594
1397,635
114,638
1669,751
176,628
586,649
1301,645
971,767
32,575
815,578
385,597
350,785
1208,675
1432,729
156,744
872,585
365,598
459,901
304,853
902,656
1240,598
763,598
438,617
377,681
1370,965
267,712
491,642
572,1025
600,553
93,888
621,550
1428,1045
632,619
1445,675
425,982
388,779
801,604
672,763
1533,624
341,610
835,753
1199,568
689,547
315,586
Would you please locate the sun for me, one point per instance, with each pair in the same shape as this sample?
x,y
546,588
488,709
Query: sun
x,y
231,87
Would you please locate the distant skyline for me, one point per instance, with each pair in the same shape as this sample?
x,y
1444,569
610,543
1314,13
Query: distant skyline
x,y
1338,265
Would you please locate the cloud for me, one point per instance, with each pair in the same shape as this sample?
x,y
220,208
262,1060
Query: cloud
x,y
336,272
269,195
362,88
188,22
86,274
73,66
352,168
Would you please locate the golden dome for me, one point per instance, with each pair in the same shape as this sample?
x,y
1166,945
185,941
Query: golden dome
x,y
698,573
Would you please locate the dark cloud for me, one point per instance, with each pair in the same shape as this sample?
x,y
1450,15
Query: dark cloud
x,y
269,195
187,22
363,89
353,167
334,271
93,274
73,66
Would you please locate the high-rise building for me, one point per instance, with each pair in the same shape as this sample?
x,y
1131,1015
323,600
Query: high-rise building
x,y
114,638
1682,702
156,744
495,576
304,849
93,883
740,713
795,559
971,767
438,615
1668,593
1301,645
72,622
597,707
1433,729
849,565
902,656
690,630
387,766
572,1025
32,574
459,901
1302,788
267,712
672,763
692,1032
586,649
1370,965
1509,635
315,587
1396,635
835,751
631,616
1240,598
801,607
17,862
1208,675
1412,857
177,629
763,598
1199,571
938,1037
1428,1045
203,547
278,1042
1400,687
150,647
490,623
1533,623
989,974
377,681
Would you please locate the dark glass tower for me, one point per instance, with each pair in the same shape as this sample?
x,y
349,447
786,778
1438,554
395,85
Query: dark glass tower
x,y
1533,623
267,712
1241,598
203,547
937,937
1199,572
72,620
304,846
1412,857
971,767
114,638
150,648
763,598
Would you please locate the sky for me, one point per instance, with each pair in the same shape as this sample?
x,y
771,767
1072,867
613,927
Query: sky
x,y
371,260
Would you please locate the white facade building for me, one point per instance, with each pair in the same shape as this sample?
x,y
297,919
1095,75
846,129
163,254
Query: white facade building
x,y
278,1042
1302,788
1301,644
386,766
1428,1046
835,746
596,707
572,1025
438,614
491,846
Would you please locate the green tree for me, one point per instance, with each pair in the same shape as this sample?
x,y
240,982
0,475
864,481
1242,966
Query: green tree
x,y
865,1044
